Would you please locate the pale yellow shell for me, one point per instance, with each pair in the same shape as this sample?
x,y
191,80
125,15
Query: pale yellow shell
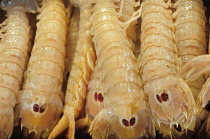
x,y
167,94
14,47
40,99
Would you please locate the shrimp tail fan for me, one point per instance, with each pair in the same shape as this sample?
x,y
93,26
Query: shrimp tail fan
x,y
121,122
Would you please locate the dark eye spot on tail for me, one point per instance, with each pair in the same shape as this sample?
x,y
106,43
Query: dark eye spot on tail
x,y
36,107
158,98
179,128
42,108
208,106
100,97
132,121
125,122
164,97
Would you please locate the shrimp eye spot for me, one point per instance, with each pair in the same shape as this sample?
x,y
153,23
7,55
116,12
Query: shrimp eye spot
x,y
36,107
158,98
125,122
95,96
100,97
164,97
42,108
132,121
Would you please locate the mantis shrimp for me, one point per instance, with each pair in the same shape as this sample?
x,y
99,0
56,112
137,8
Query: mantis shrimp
x,y
40,100
198,66
190,34
170,99
82,65
116,104
14,48
195,68
72,37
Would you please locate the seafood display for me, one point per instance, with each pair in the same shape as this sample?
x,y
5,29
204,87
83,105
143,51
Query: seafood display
x,y
14,49
104,69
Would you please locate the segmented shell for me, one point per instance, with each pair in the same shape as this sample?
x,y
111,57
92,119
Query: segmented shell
x,y
116,99
167,95
14,48
40,100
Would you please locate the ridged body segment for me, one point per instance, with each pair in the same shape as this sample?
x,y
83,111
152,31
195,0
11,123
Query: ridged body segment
x,y
72,37
190,35
112,48
14,44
